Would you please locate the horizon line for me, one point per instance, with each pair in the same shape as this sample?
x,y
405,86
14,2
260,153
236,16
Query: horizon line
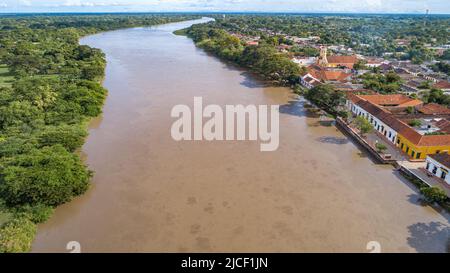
x,y
223,12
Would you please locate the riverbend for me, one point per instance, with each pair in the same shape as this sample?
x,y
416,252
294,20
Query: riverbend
x,y
317,192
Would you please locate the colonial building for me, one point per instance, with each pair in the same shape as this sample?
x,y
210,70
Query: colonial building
x,y
430,136
336,61
317,75
439,165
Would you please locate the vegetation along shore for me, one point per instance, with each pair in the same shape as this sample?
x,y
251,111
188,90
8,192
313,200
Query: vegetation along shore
x,y
50,87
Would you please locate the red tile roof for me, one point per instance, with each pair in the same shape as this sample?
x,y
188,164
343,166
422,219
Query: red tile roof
x,y
442,85
324,74
434,109
399,126
342,59
398,100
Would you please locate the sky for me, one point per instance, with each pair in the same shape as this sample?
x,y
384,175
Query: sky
x,y
356,6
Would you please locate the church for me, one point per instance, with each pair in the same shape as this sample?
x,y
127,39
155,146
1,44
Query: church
x,y
336,61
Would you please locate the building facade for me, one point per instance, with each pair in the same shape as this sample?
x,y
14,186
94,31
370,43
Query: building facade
x,y
414,142
439,165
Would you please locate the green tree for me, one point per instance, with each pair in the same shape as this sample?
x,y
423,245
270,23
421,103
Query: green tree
x,y
380,147
415,123
326,97
17,235
433,194
363,125
49,176
70,137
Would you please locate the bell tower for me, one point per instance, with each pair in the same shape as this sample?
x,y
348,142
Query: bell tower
x,y
323,61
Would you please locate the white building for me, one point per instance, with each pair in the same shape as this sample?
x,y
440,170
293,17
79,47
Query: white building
x,y
439,165
304,61
374,115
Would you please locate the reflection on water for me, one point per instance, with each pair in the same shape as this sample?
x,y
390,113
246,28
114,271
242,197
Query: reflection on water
x,y
153,194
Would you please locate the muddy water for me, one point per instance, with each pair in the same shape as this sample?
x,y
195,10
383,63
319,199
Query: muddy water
x,y
318,192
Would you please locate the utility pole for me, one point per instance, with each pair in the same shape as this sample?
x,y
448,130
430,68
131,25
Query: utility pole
x,y
426,17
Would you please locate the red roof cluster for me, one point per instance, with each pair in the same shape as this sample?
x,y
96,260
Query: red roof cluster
x,y
324,74
366,102
434,109
347,61
395,100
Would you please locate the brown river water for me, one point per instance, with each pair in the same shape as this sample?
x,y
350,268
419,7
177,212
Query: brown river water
x,y
317,193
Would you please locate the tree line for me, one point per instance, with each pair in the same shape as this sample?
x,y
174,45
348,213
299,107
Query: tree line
x,y
44,114
370,35
263,58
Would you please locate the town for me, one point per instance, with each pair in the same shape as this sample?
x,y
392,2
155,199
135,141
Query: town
x,y
356,157
394,103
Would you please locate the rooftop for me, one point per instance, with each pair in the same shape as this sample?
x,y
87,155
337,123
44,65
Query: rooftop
x,y
442,85
434,109
367,103
326,74
396,100
443,158
342,59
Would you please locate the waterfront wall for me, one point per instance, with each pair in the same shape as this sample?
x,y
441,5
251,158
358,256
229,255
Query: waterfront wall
x,y
340,123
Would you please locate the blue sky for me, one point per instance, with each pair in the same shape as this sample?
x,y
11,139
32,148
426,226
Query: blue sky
x,y
370,6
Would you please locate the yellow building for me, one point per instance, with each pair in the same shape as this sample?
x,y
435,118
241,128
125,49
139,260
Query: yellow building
x,y
431,136
419,148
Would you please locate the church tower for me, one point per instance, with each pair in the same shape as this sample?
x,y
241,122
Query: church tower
x,y
323,61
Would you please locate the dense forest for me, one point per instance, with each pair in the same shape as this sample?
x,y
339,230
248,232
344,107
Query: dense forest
x,y
49,89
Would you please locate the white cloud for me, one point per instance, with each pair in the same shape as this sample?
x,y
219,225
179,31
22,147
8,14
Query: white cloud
x,y
26,3
376,6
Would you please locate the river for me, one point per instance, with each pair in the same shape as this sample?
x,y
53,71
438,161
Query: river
x,y
317,193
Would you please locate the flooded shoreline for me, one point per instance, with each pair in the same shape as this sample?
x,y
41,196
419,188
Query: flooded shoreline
x,y
317,193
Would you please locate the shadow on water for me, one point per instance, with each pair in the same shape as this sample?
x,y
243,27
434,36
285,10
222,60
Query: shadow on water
x,y
253,80
424,237
417,199
362,152
333,140
299,108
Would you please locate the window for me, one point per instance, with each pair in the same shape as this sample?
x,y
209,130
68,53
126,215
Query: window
x,y
434,170
407,150
418,156
401,147
390,134
412,154
443,175
398,141
428,165
438,151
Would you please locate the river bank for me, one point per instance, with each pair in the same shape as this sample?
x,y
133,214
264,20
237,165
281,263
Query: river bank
x,y
41,168
317,192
